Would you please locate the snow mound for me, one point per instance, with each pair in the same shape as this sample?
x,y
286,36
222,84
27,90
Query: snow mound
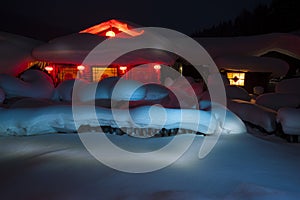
x,y
232,92
276,101
185,92
236,92
255,114
155,91
290,86
22,119
230,122
64,90
113,88
289,119
32,83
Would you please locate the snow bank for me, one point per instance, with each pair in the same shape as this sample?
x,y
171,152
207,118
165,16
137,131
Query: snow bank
x,y
50,119
22,119
289,119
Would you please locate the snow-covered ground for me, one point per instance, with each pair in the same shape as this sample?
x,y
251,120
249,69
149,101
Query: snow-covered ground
x,y
46,164
57,166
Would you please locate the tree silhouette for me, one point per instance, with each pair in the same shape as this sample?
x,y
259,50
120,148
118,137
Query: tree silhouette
x,y
280,16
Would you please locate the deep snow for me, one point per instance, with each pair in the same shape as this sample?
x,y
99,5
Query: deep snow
x,y
57,166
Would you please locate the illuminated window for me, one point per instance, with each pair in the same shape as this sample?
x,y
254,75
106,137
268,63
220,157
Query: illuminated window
x,y
66,73
236,78
100,73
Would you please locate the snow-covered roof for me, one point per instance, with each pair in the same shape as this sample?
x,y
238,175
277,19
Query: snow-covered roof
x,y
245,52
15,52
69,49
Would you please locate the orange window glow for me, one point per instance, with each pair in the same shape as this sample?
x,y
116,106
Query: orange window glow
x,y
236,78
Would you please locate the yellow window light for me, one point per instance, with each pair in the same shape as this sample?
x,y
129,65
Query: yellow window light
x,y
236,78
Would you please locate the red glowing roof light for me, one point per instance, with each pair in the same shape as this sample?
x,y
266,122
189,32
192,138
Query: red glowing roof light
x,y
110,34
123,27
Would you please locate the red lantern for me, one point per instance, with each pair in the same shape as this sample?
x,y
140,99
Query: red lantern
x,y
157,67
123,68
49,68
80,67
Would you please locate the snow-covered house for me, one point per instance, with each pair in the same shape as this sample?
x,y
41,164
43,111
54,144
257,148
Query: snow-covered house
x,y
65,54
240,58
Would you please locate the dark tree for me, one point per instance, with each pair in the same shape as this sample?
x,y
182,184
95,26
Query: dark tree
x,y
280,16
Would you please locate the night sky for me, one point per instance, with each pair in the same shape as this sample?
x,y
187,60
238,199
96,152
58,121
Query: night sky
x,y
45,20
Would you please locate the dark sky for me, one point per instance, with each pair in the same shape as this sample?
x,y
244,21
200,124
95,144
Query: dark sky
x,y
44,19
